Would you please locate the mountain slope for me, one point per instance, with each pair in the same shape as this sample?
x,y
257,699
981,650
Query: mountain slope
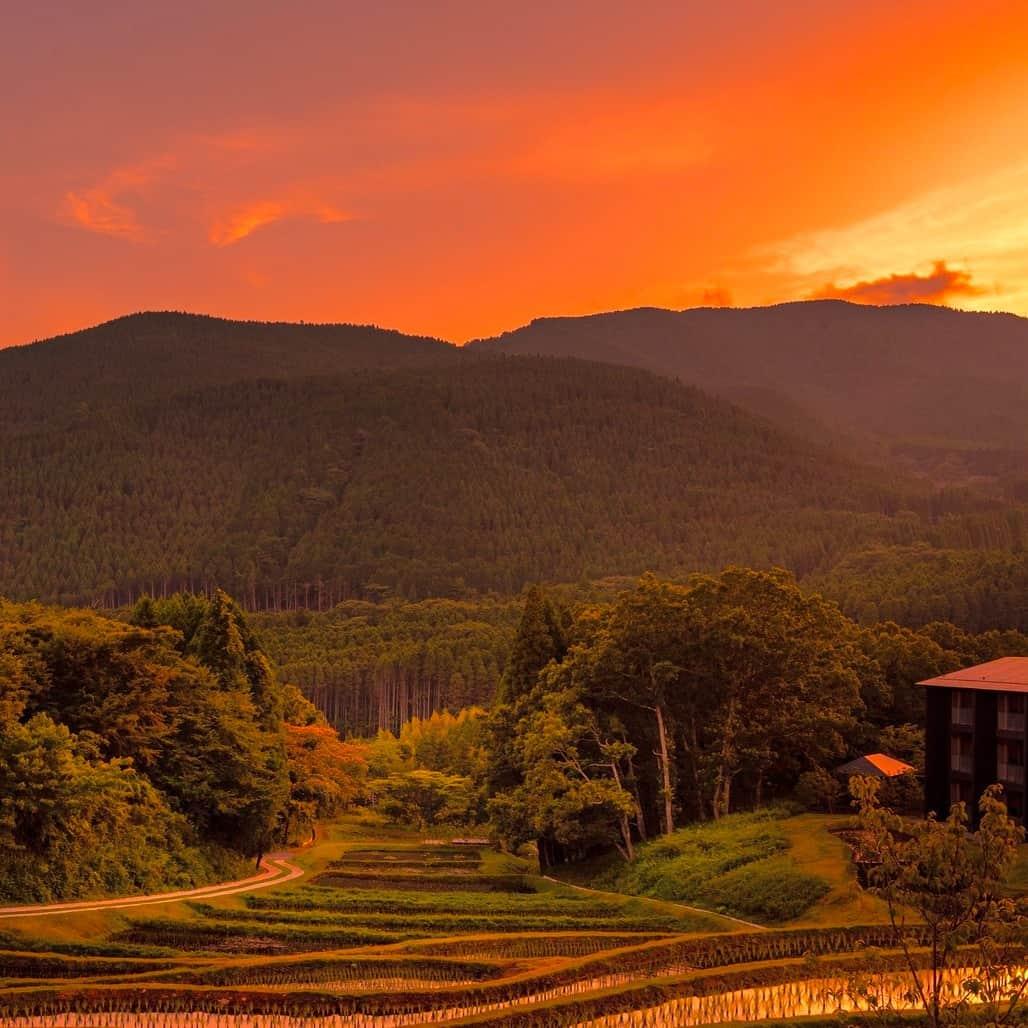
x,y
479,475
152,355
926,383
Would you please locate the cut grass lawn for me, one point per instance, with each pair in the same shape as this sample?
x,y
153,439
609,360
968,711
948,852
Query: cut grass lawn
x,y
816,850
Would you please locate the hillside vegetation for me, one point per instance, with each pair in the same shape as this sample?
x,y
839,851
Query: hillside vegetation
x,y
73,379
149,756
941,391
479,476
740,865
372,666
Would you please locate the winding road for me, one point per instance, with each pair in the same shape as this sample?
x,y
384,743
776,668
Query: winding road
x,y
277,870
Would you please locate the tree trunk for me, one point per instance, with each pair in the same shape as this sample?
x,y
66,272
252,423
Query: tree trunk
x,y
665,766
693,746
640,817
623,823
722,800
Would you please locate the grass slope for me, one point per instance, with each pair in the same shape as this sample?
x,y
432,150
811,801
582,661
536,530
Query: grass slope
x,y
758,866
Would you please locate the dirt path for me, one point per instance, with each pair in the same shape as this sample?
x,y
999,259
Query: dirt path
x,y
276,871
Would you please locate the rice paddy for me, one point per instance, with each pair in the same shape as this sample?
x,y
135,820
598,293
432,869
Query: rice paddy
x,y
405,932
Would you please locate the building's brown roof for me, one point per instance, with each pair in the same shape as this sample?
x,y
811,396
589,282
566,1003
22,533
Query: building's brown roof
x,y
1008,674
875,765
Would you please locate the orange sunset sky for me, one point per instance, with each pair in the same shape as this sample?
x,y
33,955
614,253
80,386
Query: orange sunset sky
x,y
457,168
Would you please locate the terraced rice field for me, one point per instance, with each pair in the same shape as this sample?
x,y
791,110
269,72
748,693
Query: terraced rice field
x,y
412,934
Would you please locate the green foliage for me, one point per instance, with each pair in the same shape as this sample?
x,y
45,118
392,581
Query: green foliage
x,y
372,666
738,865
540,638
882,380
570,793
966,577
424,798
950,880
447,742
72,825
771,890
674,697
130,752
297,493
818,789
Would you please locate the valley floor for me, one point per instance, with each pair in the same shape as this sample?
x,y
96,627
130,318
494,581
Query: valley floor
x,y
388,928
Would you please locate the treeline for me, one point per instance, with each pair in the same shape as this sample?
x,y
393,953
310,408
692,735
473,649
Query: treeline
x,y
76,378
374,666
616,721
149,755
915,585
472,478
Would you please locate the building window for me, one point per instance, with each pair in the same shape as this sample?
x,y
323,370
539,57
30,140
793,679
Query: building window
x,y
1010,761
960,792
1010,715
962,708
961,755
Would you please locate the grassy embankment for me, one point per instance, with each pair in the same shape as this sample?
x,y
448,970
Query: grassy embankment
x,y
762,867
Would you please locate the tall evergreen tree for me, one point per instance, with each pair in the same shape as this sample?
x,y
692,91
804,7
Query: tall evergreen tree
x,y
541,637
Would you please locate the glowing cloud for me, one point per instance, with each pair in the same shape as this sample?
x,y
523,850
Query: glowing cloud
x,y
100,208
244,221
96,211
940,285
983,222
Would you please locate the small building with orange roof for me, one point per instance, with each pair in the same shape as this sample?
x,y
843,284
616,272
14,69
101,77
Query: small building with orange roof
x,y
875,765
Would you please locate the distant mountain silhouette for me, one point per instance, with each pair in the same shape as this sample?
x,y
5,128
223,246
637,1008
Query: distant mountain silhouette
x,y
158,353
922,385
284,462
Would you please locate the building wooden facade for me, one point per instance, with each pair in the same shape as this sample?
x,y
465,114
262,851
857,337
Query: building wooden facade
x,y
975,735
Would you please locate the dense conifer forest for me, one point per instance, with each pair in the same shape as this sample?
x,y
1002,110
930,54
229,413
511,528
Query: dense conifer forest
x,y
924,388
463,476
372,666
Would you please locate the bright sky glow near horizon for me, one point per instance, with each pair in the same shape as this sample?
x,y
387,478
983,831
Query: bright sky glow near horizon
x,y
457,168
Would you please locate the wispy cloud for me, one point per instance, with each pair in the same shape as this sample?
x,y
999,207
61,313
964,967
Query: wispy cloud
x,y
940,285
97,211
243,221
107,207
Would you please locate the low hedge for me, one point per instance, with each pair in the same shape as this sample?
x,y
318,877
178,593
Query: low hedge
x,y
52,965
249,937
372,901
453,924
348,968
421,883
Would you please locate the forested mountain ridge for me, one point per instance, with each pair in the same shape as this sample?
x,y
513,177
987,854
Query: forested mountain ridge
x,y
482,474
155,354
941,391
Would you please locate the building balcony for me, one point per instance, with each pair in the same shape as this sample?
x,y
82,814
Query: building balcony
x,y
1013,773
962,764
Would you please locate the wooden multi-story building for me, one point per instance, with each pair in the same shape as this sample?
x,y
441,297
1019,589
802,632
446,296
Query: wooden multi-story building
x,y
975,735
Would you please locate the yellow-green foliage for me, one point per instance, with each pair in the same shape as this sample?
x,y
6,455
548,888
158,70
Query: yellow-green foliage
x,y
739,865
